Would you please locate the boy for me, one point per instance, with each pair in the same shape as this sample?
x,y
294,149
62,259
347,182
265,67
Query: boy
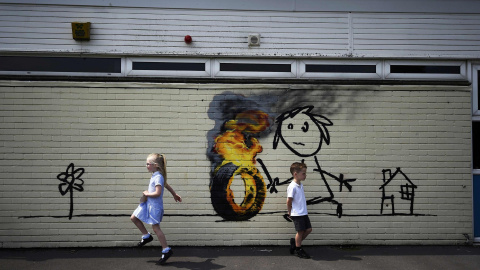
x,y
297,209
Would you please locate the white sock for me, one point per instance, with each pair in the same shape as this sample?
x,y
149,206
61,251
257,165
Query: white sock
x,y
145,236
165,250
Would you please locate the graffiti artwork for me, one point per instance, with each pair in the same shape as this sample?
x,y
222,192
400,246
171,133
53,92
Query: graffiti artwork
x,y
233,154
303,121
240,180
70,181
405,188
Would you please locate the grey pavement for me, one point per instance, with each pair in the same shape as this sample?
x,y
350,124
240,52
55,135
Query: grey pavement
x,y
258,258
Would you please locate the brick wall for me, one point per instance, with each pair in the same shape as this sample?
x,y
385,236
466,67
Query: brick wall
x,y
422,134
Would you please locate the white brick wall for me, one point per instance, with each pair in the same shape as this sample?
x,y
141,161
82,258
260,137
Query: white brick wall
x,y
109,128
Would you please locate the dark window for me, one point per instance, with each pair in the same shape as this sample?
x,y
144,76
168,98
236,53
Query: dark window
x,y
184,66
425,69
476,144
60,64
341,68
255,67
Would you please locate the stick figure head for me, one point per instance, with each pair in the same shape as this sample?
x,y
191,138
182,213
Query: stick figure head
x,y
302,131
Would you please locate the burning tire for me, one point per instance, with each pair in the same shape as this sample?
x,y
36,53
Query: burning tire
x,y
222,196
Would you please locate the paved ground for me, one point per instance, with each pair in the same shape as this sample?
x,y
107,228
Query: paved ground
x,y
257,258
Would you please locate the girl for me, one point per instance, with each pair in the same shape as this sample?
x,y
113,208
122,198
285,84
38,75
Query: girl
x,y
150,209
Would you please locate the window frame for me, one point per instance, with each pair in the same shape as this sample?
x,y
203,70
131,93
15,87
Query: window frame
x,y
339,75
475,104
167,73
475,92
57,73
475,69
297,71
256,74
425,76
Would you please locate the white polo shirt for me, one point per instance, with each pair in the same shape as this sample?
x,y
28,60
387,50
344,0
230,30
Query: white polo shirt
x,y
299,204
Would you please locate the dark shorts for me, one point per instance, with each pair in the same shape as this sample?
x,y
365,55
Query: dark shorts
x,y
302,223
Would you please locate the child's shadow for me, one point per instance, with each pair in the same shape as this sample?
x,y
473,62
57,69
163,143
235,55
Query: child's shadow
x,y
207,264
338,253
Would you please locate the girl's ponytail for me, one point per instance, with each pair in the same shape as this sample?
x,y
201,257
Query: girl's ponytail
x,y
162,166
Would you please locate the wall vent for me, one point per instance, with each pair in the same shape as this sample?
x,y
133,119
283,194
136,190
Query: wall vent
x,y
254,40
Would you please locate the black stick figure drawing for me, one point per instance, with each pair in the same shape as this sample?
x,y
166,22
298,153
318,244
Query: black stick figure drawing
x,y
69,186
301,121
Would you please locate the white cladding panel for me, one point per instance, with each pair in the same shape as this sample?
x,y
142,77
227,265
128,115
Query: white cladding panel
x,y
149,31
390,35
430,6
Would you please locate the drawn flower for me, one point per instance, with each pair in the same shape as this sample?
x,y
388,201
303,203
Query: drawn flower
x,y
70,181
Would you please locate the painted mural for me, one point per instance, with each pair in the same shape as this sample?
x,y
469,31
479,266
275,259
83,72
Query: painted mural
x,y
397,183
233,154
71,181
303,121
234,145
233,150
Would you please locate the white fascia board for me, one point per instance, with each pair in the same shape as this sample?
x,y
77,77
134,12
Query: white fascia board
x,y
424,6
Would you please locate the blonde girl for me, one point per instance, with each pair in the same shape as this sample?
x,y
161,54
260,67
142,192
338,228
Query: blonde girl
x,y
150,209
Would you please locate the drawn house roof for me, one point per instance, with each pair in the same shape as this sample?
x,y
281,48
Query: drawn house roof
x,y
393,176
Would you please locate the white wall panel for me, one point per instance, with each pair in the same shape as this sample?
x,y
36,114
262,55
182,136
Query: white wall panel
x,y
438,6
427,35
150,31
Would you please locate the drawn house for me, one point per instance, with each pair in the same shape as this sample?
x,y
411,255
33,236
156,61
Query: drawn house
x,y
406,190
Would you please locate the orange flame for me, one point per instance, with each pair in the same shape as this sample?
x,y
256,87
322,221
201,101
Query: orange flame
x,y
232,146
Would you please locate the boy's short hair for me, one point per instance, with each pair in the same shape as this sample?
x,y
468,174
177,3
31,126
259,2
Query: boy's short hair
x,y
297,167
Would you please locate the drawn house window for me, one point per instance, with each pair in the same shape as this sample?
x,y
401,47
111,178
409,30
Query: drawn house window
x,y
406,190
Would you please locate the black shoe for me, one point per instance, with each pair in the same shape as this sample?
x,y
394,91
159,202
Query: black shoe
x,y
302,254
145,241
305,254
165,257
292,245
